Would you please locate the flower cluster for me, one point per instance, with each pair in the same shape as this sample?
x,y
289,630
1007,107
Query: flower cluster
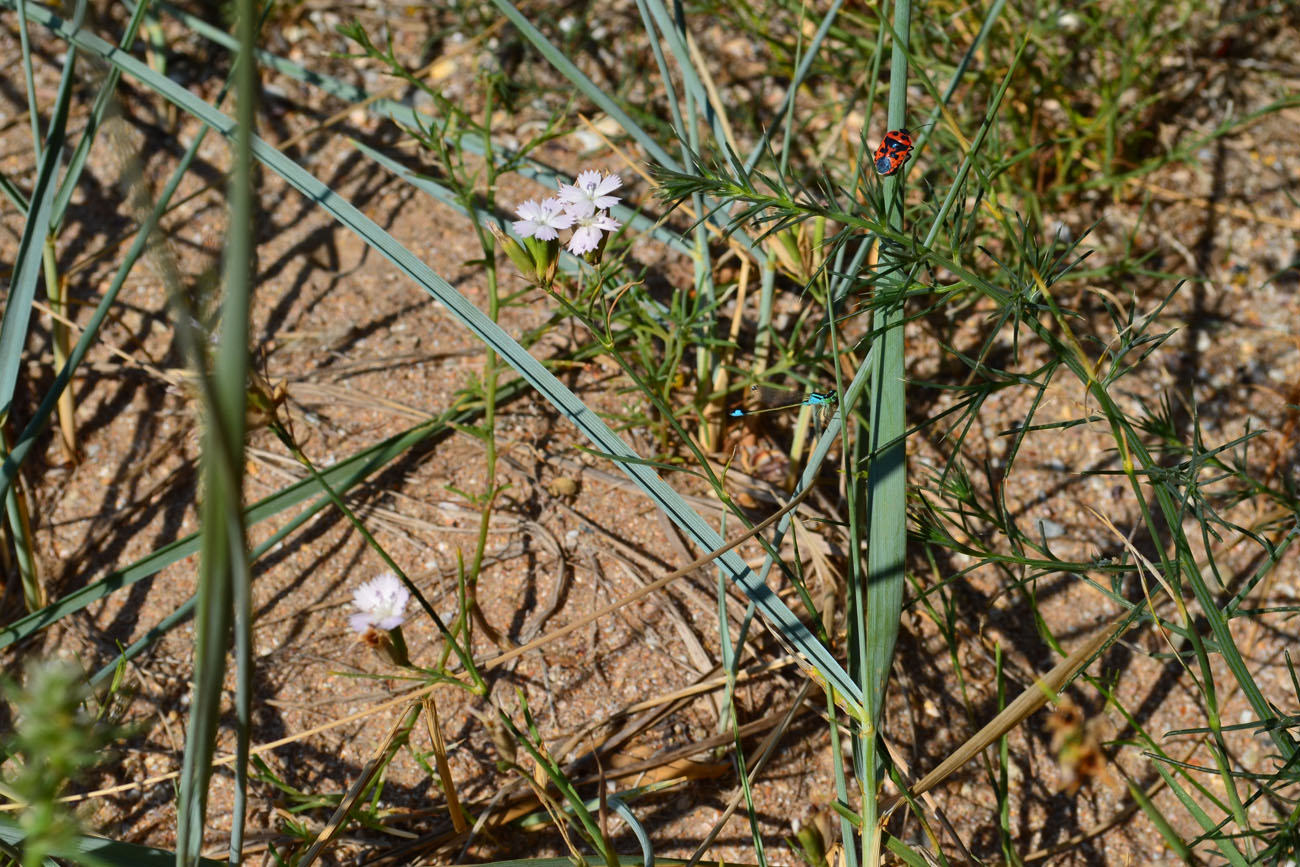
x,y
582,206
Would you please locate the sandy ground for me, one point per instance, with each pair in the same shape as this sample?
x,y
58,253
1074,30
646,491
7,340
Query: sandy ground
x,y
365,355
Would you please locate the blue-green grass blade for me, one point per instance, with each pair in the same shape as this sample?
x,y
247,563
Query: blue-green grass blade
x,y
29,79
701,260
27,272
886,483
886,479
686,68
887,489
800,73
104,851
1208,825
232,384
341,476
661,63
410,117
705,360
13,194
103,99
224,591
634,825
585,85
677,509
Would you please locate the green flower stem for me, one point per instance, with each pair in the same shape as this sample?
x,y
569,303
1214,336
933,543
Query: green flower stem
x,y
397,648
479,687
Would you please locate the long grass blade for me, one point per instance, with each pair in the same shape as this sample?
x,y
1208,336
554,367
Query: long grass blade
x,y
585,85
97,850
410,117
22,292
666,499
27,270
224,596
103,102
886,487
341,476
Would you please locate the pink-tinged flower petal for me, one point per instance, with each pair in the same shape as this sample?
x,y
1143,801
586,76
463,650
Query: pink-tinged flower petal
x,y
379,602
589,193
584,240
542,221
531,223
391,622
588,230
360,622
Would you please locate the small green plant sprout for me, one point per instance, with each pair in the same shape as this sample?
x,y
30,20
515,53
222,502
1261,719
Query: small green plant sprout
x,y
381,605
53,741
582,206
811,838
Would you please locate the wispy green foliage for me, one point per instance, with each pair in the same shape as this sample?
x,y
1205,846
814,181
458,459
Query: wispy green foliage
x,y
55,739
1021,117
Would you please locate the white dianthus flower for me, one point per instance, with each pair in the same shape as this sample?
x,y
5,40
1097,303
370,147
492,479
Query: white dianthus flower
x,y
587,232
542,221
380,603
590,193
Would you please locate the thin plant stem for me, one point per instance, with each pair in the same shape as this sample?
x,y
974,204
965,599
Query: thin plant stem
x,y
462,653
56,290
